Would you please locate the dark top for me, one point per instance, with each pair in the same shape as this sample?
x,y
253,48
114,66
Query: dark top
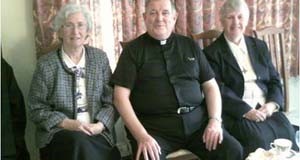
x,y
230,78
13,116
162,77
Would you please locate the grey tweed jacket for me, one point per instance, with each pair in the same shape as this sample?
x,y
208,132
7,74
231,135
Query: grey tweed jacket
x,y
51,97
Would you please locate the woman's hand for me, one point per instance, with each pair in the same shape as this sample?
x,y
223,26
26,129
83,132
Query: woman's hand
x,y
94,128
256,115
73,125
213,134
148,146
268,108
88,128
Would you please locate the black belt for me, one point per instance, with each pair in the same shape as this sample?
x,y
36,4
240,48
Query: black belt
x,y
185,109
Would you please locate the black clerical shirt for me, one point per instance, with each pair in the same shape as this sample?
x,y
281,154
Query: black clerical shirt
x,y
162,75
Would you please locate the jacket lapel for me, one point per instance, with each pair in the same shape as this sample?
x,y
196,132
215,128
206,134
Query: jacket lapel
x,y
90,70
228,55
65,67
251,47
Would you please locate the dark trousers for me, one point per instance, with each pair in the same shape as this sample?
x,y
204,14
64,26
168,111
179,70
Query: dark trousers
x,y
73,145
230,149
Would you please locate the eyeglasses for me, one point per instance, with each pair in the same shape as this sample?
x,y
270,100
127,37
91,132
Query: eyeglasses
x,y
71,26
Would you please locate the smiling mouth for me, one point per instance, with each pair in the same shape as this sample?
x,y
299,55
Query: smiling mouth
x,y
74,38
235,27
160,26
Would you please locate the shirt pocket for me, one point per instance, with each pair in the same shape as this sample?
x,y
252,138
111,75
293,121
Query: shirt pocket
x,y
191,67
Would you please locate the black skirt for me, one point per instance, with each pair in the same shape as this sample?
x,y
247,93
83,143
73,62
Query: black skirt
x,y
253,135
74,145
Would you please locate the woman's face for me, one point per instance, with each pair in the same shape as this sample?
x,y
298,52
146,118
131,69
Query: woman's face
x,y
74,31
234,24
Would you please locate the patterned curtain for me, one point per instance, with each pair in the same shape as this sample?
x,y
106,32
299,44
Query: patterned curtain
x,y
194,16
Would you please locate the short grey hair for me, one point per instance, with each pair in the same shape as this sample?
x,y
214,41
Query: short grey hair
x,y
172,4
66,11
234,5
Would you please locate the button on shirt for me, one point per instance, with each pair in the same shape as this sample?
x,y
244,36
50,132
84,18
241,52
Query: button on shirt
x,y
252,93
81,99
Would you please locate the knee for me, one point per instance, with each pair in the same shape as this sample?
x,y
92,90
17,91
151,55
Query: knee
x,y
233,147
235,151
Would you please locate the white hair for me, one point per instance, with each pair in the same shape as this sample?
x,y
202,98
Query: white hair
x,y
66,11
234,5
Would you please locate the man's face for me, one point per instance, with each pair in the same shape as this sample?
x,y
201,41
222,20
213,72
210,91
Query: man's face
x,y
160,19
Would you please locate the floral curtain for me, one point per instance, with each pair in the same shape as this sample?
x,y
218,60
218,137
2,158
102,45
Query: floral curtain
x,y
194,16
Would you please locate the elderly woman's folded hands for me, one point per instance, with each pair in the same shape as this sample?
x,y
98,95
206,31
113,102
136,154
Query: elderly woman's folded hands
x,y
256,115
88,128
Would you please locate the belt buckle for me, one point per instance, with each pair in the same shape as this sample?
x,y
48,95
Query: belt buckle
x,y
179,110
182,110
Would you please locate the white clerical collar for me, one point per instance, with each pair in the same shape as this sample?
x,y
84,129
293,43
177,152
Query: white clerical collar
x,y
242,45
163,42
70,63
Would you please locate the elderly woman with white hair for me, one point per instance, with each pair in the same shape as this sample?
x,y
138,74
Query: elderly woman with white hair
x,y
70,100
250,86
